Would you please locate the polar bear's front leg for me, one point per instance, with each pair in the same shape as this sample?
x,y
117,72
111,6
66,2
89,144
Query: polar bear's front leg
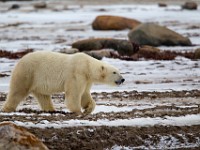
x,y
44,101
73,103
87,103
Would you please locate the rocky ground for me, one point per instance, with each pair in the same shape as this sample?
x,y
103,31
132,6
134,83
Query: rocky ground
x,y
124,119
146,105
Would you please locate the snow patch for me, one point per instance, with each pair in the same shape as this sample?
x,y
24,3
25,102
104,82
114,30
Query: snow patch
x,y
187,120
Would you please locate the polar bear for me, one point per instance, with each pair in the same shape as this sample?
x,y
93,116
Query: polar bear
x,y
44,73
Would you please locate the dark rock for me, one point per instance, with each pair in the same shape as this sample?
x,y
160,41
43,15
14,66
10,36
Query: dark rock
x,y
40,5
123,47
14,55
162,5
13,137
156,35
197,53
3,75
114,23
190,6
14,6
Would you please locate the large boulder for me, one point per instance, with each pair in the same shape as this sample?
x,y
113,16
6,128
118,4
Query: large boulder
x,y
123,47
13,137
114,23
190,6
156,35
197,54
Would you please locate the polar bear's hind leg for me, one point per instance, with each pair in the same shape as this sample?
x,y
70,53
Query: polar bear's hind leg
x,y
13,100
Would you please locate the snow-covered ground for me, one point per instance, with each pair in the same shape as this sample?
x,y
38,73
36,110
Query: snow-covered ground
x,y
138,107
179,74
140,122
41,30
50,29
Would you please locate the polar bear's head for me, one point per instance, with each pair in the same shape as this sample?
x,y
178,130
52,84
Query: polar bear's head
x,y
110,75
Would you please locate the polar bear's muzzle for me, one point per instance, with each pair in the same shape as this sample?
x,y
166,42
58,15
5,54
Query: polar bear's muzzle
x,y
120,81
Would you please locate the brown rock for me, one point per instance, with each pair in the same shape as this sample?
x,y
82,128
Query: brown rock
x,y
123,47
190,6
114,23
150,49
197,53
143,82
14,55
13,137
40,5
162,5
148,52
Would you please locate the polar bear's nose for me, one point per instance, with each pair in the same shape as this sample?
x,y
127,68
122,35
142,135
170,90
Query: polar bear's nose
x,y
120,81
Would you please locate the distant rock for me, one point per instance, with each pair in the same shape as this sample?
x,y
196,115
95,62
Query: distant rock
x,y
162,5
190,6
153,53
150,49
102,53
13,137
123,47
69,50
14,55
114,23
14,6
148,52
197,53
40,5
156,35
3,75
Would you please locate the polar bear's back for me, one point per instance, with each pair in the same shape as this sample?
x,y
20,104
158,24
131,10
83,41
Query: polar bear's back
x,y
43,70
43,58
54,58
50,70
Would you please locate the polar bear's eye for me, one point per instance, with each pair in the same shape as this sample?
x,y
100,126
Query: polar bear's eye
x,y
114,72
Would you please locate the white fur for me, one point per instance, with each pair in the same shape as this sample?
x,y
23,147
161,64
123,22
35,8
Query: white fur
x,y
45,73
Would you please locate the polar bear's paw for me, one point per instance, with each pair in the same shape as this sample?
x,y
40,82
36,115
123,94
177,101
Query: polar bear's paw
x,y
7,109
89,108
